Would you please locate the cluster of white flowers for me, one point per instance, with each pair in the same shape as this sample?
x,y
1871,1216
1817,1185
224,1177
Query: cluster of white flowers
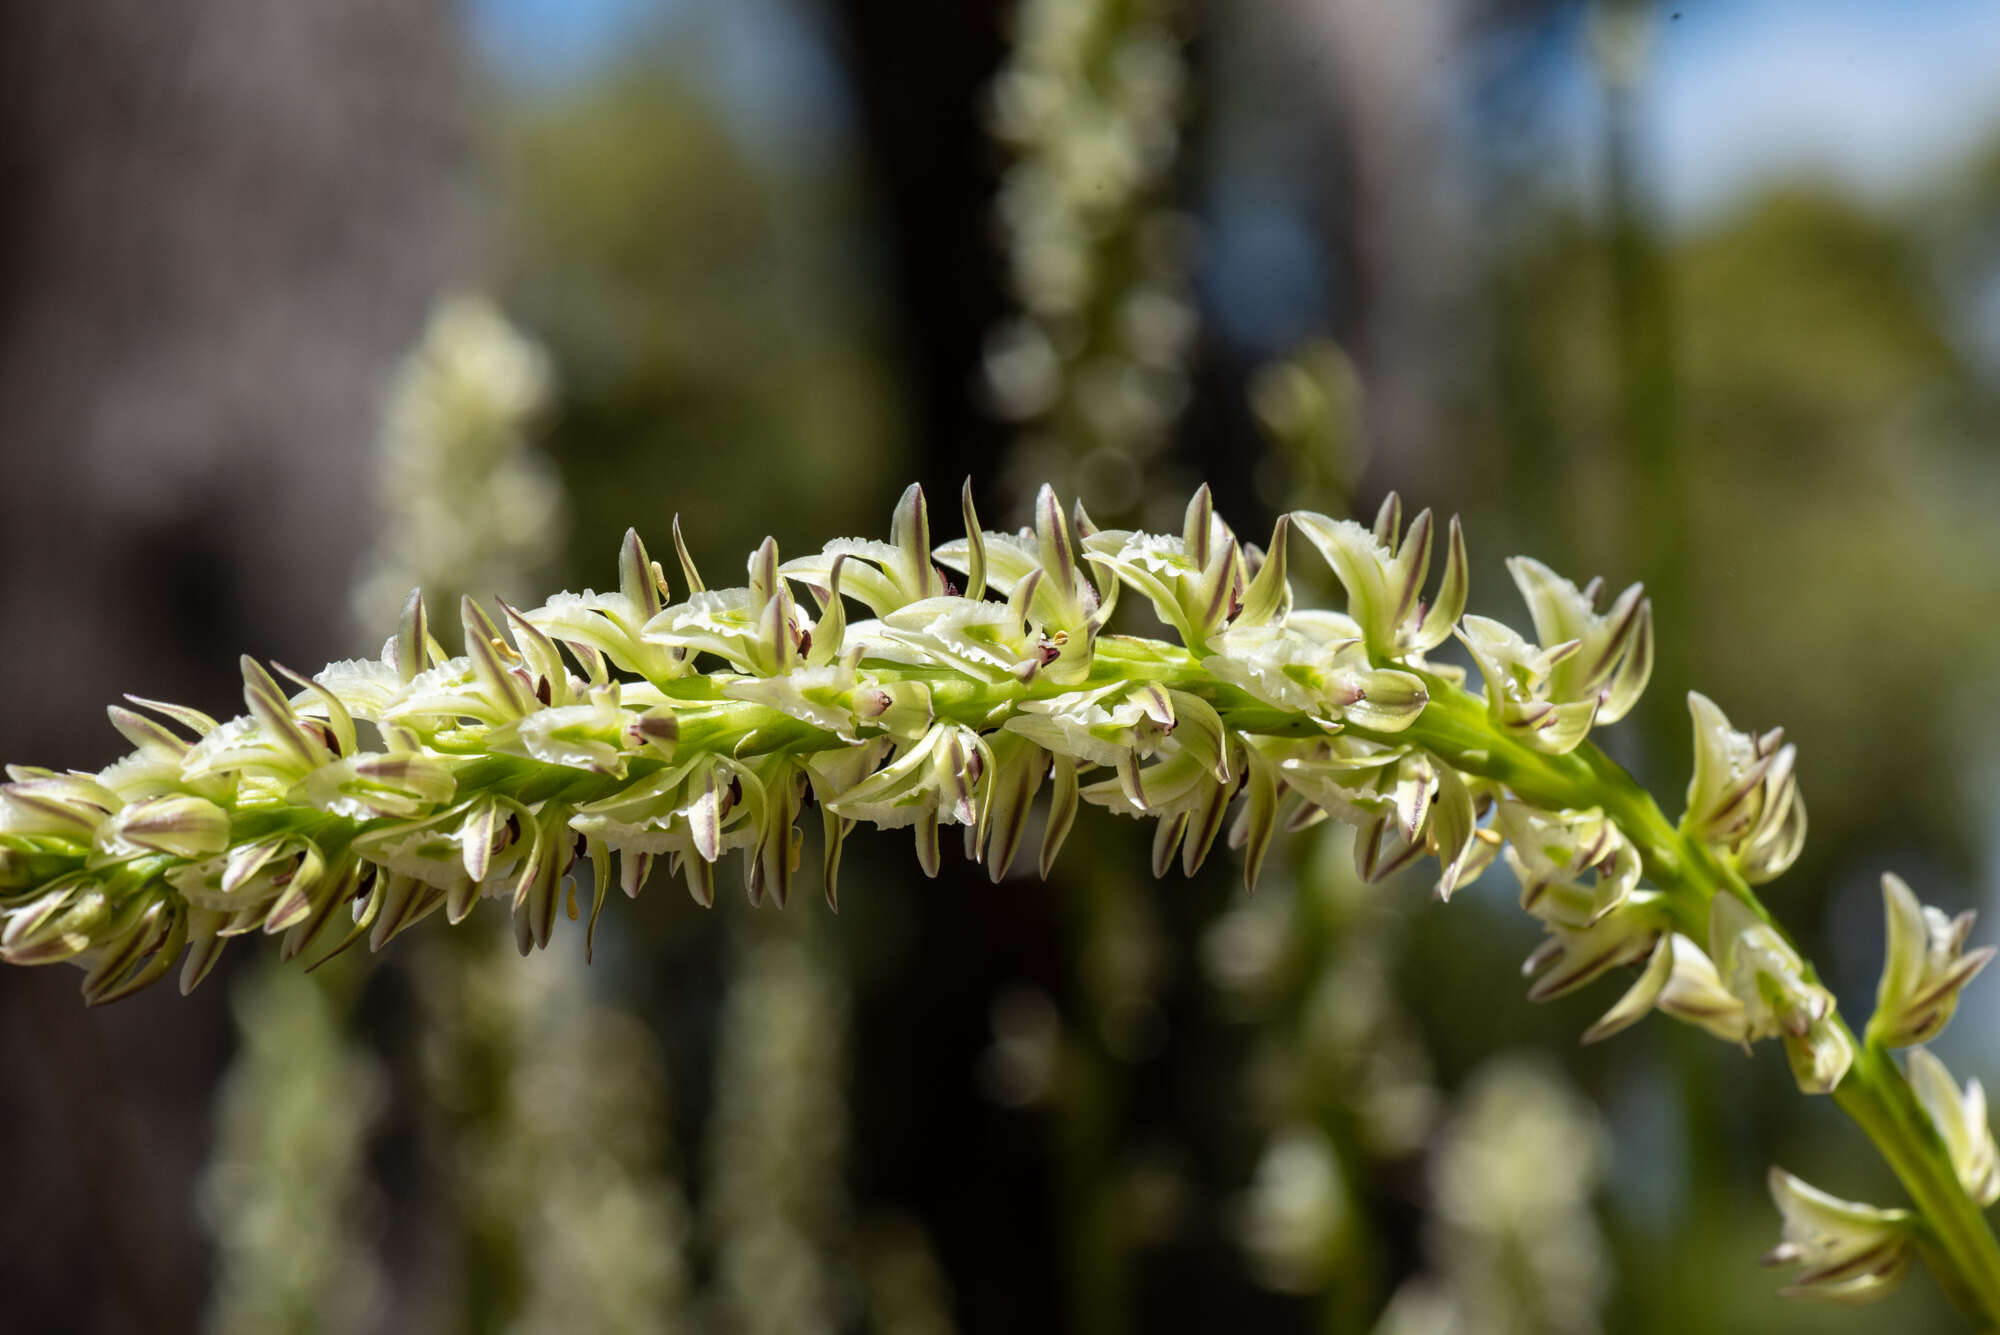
x,y
467,502
630,727
285,1194
1337,1076
1513,1241
551,1122
1088,107
777,1206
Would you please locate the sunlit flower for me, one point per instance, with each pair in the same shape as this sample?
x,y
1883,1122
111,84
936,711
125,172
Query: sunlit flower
x,y
1613,658
1743,800
1385,579
1589,667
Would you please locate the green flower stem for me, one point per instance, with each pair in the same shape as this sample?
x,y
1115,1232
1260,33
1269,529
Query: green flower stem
x,y
1956,1239
1960,1243
1454,726
84,880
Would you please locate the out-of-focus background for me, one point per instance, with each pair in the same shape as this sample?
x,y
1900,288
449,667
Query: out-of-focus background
x,y
1699,292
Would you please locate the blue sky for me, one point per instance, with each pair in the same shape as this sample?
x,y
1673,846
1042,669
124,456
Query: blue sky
x,y
1870,94
548,41
766,60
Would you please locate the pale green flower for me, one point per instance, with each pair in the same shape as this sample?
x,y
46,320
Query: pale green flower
x,y
286,1194
469,505
1961,1122
1924,968
1613,655
598,626
758,629
1039,569
775,1211
935,780
1682,981
1519,676
1574,866
1779,1000
884,575
1850,1253
1316,662
1385,579
1094,364
1513,1175
1743,800
1298,1208
1589,667
1198,583
1402,804
1573,956
1187,790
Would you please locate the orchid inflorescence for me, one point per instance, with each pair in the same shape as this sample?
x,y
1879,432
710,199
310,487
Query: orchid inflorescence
x,y
626,728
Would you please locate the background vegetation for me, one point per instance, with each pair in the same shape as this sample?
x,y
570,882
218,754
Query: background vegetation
x,y
782,257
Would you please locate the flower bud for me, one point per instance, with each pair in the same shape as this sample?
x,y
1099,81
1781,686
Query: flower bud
x,y
67,806
184,826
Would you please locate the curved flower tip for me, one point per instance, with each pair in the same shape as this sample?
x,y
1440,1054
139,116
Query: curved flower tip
x,y
1463,849
1574,866
1743,800
1589,667
1961,1122
1612,655
1680,980
1519,680
1197,582
1384,571
1924,968
1849,1253
1573,956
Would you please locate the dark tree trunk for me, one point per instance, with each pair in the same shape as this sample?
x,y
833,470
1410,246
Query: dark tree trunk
x,y
225,220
